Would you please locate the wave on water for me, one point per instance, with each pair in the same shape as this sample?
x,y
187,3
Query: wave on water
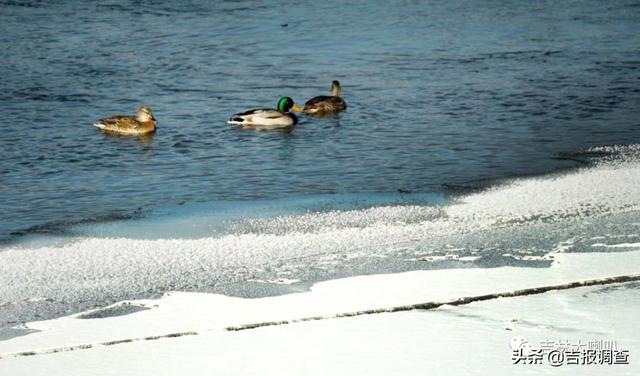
x,y
234,248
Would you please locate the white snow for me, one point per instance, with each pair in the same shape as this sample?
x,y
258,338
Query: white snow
x,y
471,339
621,245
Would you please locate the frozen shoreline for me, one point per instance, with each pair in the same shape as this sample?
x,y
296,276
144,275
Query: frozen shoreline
x,y
560,313
233,250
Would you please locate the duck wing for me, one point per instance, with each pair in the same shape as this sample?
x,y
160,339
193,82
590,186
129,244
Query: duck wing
x,y
255,111
252,115
315,100
118,123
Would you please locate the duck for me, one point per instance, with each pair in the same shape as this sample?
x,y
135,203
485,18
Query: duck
x,y
143,123
281,117
325,104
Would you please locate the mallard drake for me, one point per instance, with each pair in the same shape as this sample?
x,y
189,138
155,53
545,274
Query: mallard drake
x,y
142,123
267,117
324,104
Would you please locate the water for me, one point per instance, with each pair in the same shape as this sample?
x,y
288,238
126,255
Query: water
x,y
437,93
440,95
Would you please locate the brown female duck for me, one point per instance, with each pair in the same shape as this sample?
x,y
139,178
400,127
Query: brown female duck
x,y
324,104
142,123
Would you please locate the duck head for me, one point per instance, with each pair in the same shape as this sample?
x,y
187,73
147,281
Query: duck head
x,y
335,89
145,115
285,104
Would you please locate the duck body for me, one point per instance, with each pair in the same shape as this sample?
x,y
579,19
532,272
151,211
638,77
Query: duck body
x,y
325,104
142,123
267,118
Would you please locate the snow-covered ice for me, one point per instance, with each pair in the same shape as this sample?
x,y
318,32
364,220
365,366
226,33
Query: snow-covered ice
x,y
471,339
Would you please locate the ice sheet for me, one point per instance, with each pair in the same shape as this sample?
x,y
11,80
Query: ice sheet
x,y
209,313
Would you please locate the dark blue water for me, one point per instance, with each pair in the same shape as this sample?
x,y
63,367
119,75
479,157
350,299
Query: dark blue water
x,y
439,94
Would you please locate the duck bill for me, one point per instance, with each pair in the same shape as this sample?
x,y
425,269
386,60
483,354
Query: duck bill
x,y
296,108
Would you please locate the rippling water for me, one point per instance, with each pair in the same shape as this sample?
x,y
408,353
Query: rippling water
x,y
439,93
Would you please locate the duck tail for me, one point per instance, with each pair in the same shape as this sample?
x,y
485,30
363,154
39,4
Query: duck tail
x,y
235,120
